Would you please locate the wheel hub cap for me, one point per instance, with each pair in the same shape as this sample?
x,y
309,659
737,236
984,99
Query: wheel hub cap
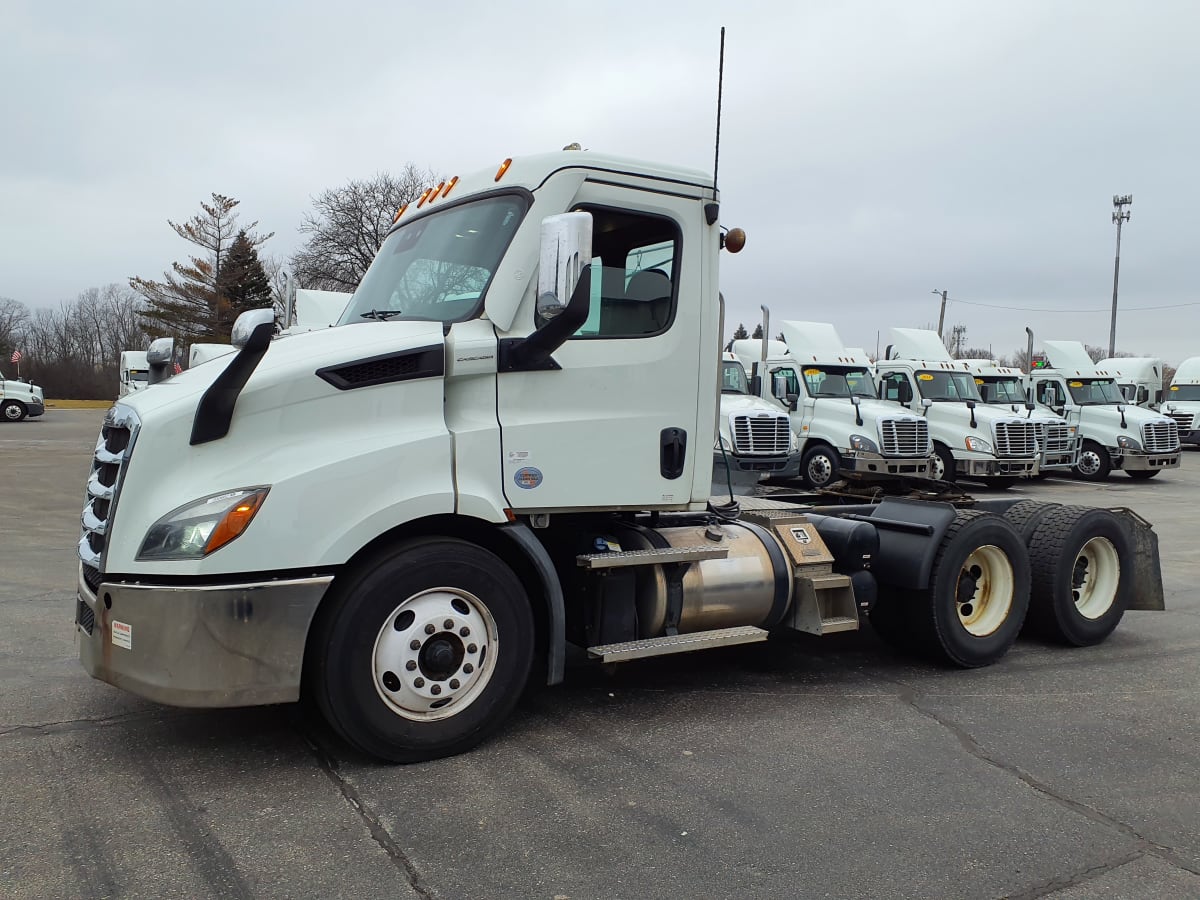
x,y
1095,578
1089,463
984,593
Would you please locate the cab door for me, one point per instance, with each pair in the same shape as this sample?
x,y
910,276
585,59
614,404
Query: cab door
x,y
615,422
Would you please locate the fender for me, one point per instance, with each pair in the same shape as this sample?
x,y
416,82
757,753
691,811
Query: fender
x,y
556,619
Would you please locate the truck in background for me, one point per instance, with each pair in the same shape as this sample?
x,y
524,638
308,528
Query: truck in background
x,y
834,406
1139,378
19,399
1114,434
971,439
755,440
134,374
401,518
1182,403
199,354
1058,440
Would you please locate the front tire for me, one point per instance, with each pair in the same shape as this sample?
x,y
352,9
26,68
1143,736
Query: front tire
x,y
819,467
1094,462
12,411
422,651
943,464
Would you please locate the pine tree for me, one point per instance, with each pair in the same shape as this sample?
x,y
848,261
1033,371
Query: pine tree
x,y
187,304
244,283
741,334
757,332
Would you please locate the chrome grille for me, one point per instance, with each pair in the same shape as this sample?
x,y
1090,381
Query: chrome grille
x,y
108,463
1160,436
1017,437
1183,420
764,433
904,437
1055,438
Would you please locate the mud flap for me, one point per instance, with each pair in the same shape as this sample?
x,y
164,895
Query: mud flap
x,y
1148,583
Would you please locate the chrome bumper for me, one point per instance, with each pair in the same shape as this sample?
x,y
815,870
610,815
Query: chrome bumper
x,y
221,645
995,466
1144,462
1059,461
912,467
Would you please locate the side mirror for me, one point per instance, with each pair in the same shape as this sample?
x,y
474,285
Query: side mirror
x,y
926,403
1030,406
904,392
970,404
793,400
855,399
566,252
779,385
159,356
247,322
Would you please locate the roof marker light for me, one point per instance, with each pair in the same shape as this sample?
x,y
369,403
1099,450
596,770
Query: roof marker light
x,y
449,184
433,195
424,197
503,168
399,213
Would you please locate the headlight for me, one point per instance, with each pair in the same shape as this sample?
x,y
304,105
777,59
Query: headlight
x,y
979,445
198,528
862,442
1127,443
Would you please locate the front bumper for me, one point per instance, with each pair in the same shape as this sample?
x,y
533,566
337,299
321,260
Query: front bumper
x,y
991,466
746,471
1190,437
1146,462
33,409
1059,461
863,462
211,645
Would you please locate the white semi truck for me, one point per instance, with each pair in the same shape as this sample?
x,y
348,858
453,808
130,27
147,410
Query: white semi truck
x,y
834,407
971,439
755,440
1114,434
19,399
1183,400
134,374
401,518
1139,378
1003,386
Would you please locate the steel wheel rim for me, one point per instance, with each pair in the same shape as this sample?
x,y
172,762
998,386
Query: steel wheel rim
x,y
12,412
820,470
1095,578
939,468
425,669
984,590
1089,462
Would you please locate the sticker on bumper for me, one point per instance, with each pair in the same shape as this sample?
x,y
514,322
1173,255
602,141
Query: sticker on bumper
x,y
122,635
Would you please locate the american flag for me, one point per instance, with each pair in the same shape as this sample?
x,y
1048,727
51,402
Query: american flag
x,y
16,357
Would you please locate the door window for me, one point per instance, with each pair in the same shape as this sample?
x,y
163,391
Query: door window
x,y
896,387
1051,393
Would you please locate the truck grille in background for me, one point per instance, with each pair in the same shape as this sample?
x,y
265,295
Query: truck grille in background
x,y
761,434
1016,438
108,461
1161,436
1055,438
1183,420
904,437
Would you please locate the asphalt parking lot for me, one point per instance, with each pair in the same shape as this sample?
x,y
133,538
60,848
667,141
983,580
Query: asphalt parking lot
x,y
817,768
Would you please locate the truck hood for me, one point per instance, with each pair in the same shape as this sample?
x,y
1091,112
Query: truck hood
x,y
747,403
1110,417
985,414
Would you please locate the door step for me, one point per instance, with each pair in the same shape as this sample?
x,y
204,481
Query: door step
x,y
660,557
678,643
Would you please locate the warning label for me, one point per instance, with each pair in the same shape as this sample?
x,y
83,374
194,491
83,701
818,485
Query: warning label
x,y
122,635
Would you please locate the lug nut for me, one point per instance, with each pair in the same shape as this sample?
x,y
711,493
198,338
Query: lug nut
x,y
414,645
464,631
419,682
436,689
411,665
468,668
429,629
454,684
471,648
448,624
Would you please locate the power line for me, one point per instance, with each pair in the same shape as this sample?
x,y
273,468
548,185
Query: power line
x,y
1072,310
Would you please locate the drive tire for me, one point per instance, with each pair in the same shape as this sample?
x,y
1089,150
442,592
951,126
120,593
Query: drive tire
x,y
978,592
1026,515
13,411
1094,462
946,459
1143,474
355,657
819,467
1083,571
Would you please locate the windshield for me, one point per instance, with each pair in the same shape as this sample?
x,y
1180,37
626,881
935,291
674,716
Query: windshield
x,y
951,386
1095,391
1000,390
437,267
138,375
733,379
838,381
1184,392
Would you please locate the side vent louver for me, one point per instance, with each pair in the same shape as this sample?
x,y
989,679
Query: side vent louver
x,y
422,362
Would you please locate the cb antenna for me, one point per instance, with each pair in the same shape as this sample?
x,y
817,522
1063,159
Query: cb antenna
x,y
720,85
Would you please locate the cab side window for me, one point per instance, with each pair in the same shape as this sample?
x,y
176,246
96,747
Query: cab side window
x,y
785,378
896,387
1050,393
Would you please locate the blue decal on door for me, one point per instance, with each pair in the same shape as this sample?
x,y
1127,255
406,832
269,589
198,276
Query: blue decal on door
x,y
528,478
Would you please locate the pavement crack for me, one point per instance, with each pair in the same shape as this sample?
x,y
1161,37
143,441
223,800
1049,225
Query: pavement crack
x,y
966,740
1062,882
67,725
376,828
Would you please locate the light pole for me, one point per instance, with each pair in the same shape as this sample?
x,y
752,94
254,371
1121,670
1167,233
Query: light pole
x,y
1119,216
942,313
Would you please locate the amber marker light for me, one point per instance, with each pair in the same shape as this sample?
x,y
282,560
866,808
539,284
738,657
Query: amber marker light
x,y
436,192
424,197
399,213
449,184
235,521
503,168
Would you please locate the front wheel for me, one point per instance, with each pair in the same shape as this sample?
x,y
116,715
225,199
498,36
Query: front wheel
x,y
1094,462
422,651
820,467
943,464
12,411
1143,474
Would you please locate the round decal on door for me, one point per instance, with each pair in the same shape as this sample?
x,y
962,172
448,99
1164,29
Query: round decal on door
x,y
528,478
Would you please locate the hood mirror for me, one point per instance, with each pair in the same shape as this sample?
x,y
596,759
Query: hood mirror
x,y
247,322
566,251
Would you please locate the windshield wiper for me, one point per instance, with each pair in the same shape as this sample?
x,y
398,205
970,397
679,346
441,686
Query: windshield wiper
x,y
381,314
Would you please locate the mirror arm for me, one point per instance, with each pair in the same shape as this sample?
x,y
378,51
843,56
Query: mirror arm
x,y
534,351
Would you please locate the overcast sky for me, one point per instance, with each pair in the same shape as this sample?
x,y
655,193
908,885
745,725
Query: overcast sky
x,y
873,152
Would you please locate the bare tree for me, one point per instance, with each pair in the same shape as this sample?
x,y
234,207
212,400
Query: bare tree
x,y
348,224
14,319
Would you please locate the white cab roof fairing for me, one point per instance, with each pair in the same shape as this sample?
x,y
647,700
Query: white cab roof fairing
x,y
1188,371
1070,357
988,367
916,343
818,342
750,349
133,359
319,309
1137,368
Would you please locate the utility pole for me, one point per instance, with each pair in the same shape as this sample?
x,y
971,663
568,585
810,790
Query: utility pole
x,y
1119,216
959,333
942,314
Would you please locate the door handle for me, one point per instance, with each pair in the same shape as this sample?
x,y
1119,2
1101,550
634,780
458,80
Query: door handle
x,y
672,452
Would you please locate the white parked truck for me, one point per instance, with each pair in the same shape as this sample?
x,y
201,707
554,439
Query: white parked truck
x,y
755,440
19,399
1004,386
1139,378
134,374
1114,434
199,354
405,516
834,407
971,439
1183,400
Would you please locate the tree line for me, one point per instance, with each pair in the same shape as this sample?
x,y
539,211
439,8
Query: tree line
x,y
74,351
